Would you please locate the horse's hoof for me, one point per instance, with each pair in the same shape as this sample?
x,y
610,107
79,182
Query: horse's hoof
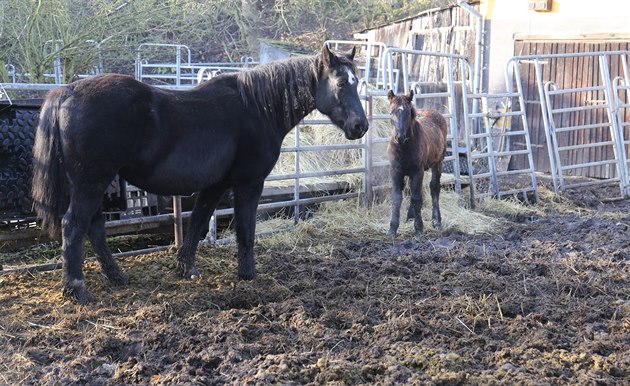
x,y
117,277
247,276
77,290
246,268
189,272
247,273
437,225
391,233
419,236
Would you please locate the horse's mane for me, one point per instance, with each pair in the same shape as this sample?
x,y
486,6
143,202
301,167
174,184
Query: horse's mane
x,y
281,90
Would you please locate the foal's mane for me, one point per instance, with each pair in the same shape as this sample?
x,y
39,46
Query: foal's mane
x,y
282,90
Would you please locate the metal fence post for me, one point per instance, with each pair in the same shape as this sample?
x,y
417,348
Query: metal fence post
x,y
177,220
296,187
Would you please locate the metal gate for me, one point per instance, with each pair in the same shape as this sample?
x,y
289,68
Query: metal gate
x,y
496,132
622,109
584,126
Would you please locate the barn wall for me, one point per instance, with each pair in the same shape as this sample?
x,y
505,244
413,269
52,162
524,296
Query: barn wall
x,y
569,20
571,26
449,30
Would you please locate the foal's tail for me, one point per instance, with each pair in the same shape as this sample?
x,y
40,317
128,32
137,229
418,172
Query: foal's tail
x,y
50,186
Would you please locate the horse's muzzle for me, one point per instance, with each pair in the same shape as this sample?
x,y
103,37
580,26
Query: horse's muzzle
x,y
356,128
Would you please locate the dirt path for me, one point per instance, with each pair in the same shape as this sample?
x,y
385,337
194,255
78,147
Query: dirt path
x,y
544,301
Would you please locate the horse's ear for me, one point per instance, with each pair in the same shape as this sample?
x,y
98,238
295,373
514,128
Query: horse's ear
x,y
410,97
390,95
329,58
350,54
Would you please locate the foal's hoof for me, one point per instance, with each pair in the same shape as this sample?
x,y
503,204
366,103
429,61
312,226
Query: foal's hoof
x,y
419,236
77,290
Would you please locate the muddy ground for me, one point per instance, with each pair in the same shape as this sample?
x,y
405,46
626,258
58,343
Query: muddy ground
x,y
545,300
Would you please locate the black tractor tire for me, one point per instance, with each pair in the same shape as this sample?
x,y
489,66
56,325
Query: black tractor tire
x,y
17,136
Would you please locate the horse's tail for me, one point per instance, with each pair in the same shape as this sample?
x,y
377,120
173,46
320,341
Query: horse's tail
x,y
50,186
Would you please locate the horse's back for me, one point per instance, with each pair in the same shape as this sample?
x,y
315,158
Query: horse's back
x,y
436,121
433,131
104,118
103,99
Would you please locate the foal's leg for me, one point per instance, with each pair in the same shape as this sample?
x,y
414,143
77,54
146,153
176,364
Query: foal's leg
x,y
435,186
246,198
109,267
205,204
398,180
415,186
75,224
410,212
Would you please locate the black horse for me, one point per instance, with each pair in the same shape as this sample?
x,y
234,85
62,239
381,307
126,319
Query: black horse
x,y
415,146
225,133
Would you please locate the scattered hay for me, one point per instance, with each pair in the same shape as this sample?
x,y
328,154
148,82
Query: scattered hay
x,y
336,301
348,219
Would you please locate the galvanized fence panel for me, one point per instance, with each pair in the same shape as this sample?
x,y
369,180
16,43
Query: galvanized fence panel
x,y
622,110
297,179
172,65
494,135
370,59
4,96
570,143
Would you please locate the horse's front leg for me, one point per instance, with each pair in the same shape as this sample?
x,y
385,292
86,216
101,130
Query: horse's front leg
x,y
246,198
435,194
415,185
205,204
398,179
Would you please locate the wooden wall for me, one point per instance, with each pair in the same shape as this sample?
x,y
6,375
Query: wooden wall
x,y
449,30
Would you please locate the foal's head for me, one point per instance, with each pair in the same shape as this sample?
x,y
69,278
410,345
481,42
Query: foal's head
x,y
402,116
337,96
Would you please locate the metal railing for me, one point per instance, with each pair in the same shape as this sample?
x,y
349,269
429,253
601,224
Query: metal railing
x,y
485,141
171,65
4,96
609,153
622,110
299,178
491,148
370,59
